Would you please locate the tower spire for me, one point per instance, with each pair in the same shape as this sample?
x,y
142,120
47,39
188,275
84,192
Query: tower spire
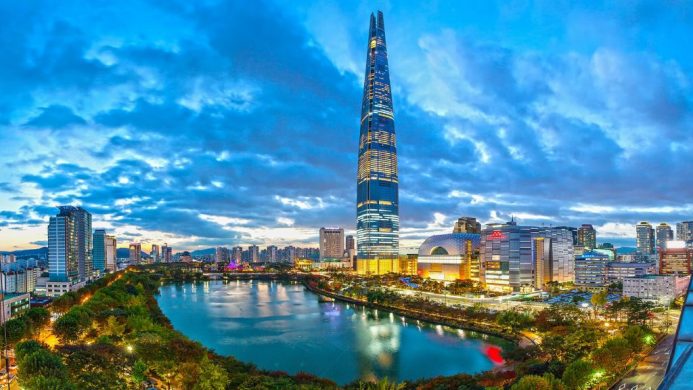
x,y
377,209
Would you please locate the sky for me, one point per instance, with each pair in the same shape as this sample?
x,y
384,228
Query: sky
x,y
231,122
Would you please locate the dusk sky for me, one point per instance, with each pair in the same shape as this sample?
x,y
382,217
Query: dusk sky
x,y
223,123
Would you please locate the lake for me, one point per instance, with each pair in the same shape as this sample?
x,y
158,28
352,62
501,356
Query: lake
x,y
281,326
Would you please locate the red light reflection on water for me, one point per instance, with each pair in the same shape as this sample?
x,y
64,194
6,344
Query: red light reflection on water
x,y
494,354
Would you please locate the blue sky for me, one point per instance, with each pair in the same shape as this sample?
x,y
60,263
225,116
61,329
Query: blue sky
x,y
215,122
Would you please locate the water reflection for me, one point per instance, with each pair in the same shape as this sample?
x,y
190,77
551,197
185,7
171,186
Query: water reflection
x,y
284,327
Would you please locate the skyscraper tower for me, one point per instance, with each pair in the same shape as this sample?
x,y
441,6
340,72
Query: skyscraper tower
x,y
70,245
377,200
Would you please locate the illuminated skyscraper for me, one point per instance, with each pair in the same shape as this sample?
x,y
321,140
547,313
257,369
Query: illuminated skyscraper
x,y
645,238
587,236
377,201
664,233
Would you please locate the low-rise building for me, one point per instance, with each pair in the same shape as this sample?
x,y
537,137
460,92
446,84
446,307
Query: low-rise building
x,y
14,304
658,288
449,257
617,271
675,261
56,289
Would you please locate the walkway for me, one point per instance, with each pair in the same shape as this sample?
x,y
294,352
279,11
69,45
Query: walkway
x,y
650,371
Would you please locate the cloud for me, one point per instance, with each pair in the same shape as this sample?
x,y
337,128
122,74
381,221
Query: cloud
x,y
243,128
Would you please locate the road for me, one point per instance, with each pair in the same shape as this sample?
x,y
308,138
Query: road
x,y
650,371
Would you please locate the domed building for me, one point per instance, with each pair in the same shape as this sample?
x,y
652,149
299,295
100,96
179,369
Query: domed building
x,y
449,257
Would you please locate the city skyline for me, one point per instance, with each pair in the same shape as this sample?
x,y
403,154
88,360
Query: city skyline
x,y
180,136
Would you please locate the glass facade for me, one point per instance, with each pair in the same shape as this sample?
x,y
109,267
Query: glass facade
x,y
70,245
377,201
99,251
680,369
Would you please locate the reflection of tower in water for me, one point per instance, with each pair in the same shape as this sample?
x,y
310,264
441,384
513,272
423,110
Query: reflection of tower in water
x,y
378,344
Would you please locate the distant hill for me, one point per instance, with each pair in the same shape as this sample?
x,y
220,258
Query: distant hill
x,y
124,253
626,250
38,252
204,252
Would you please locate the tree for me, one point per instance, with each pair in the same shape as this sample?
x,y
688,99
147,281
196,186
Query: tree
x,y
139,371
514,320
535,382
16,330
614,355
577,375
211,377
635,335
37,317
598,300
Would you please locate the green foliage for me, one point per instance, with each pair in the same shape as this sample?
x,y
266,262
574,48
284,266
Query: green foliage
x,y
577,375
614,355
535,382
514,320
635,335
139,371
40,368
211,376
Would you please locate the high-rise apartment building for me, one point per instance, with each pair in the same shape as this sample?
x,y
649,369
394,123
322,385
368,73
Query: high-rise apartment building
x,y
587,236
222,255
467,225
166,253
135,253
154,253
684,231
331,243
272,254
111,253
253,253
377,199
237,254
645,238
70,245
99,250
664,233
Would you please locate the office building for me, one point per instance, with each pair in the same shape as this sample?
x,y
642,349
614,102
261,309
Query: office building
x,y
675,260
684,231
467,225
449,257
645,238
377,200
70,245
557,260
663,233
591,271
506,256
135,253
99,251
111,253
331,243
64,246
